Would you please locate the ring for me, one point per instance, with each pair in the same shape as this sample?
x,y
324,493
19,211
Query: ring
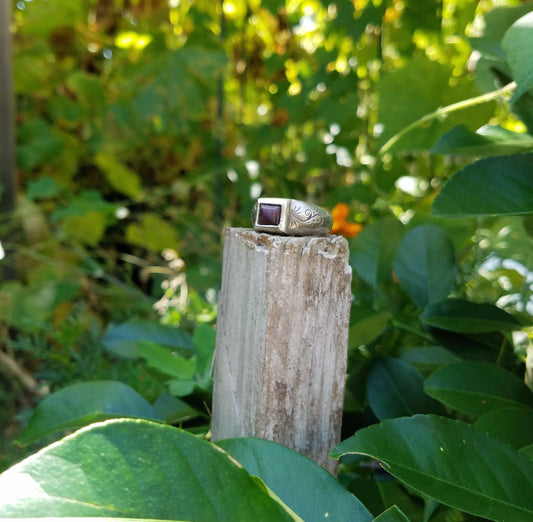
x,y
291,217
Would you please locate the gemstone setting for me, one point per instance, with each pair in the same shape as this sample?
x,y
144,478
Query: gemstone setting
x,y
269,214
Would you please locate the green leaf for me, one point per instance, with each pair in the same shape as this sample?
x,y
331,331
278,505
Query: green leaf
x,y
427,358
39,143
490,186
477,387
451,462
174,410
164,360
489,140
136,469
368,329
393,514
459,315
88,229
123,339
425,264
204,347
305,487
517,44
81,404
497,22
152,232
373,249
512,425
120,177
87,201
400,106
395,389
43,188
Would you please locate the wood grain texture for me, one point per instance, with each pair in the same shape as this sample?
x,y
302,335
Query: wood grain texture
x,y
282,337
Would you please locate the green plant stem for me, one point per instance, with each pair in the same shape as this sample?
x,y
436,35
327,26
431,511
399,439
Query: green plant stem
x,y
444,111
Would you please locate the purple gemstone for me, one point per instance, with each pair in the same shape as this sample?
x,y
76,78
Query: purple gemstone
x,y
268,214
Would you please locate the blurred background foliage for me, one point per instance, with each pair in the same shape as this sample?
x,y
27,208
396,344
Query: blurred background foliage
x,y
144,127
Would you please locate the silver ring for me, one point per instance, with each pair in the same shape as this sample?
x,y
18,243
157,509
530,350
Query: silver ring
x,y
291,217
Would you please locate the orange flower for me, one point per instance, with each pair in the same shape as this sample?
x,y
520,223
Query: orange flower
x,y
340,225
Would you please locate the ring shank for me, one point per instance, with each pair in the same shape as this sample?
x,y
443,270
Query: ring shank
x,y
290,217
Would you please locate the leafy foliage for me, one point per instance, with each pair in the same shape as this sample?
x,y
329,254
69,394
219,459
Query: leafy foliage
x,y
145,126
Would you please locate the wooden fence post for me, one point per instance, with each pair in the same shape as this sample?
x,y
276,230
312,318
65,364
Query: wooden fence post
x,y
282,336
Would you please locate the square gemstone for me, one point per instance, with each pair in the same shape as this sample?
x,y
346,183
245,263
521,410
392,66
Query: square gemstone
x,y
268,214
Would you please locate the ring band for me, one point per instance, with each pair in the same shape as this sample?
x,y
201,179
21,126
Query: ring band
x,y
291,217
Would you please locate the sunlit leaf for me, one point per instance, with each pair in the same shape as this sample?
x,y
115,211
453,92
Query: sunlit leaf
x,y
136,469
517,44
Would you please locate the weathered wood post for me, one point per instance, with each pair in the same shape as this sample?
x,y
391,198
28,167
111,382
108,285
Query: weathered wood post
x,y
282,336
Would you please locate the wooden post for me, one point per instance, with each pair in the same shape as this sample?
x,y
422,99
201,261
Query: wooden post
x,y
282,337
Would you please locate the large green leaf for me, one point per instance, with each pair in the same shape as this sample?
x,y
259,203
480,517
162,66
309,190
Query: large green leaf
x,y
425,264
477,387
400,106
81,404
396,389
452,462
489,140
135,469
373,249
459,315
305,487
123,339
517,44
490,186
512,425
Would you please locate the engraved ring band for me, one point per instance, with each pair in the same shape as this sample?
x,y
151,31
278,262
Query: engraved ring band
x,y
291,217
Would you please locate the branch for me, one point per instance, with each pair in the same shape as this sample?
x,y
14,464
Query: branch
x,y
25,378
444,111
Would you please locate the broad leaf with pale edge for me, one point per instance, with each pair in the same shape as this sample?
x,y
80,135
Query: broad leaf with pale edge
x,y
136,469
475,387
517,44
492,186
305,487
425,264
462,316
81,404
452,462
